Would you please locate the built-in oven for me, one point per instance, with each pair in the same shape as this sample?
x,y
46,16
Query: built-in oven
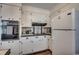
x,y
10,29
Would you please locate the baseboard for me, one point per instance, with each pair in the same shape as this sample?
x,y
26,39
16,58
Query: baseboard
x,y
39,52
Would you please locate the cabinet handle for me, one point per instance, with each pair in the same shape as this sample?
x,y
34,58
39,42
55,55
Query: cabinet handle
x,y
1,43
36,37
1,6
59,17
12,18
12,41
39,40
69,13
26,37
8,41
44,36
32,50
0,16
31,41
9,18
20,42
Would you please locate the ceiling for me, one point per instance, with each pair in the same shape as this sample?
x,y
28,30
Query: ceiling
x,y
47,6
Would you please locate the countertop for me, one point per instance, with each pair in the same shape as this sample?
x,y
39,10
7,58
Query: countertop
x,y
35,35
4,51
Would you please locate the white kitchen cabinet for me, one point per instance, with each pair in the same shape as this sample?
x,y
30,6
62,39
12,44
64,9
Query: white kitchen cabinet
x,y
9,12
40,43
26,19
26,45
35,17
15,48
40,18
49,42
36,43
44,42
13,45
63,21
33,44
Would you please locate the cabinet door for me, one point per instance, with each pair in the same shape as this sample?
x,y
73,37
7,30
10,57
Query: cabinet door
x,y
26,19
35,17
35,44
44,42
15,48
40,43
9,12
6,45
63,21
49,42
26,45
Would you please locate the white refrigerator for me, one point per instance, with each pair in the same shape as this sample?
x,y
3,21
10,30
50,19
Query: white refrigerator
x,y
65,33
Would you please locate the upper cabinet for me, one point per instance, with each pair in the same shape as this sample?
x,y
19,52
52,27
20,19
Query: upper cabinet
x,y
40,18
26,19
33,14
9,12
37,17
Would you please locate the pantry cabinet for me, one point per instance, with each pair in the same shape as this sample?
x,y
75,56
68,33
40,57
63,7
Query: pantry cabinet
x,y
26,19
13,45
9,12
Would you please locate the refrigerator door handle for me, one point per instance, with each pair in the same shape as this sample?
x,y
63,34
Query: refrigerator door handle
x,y
65,29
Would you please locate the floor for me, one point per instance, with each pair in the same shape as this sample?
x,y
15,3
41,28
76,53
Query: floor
x,y
45,52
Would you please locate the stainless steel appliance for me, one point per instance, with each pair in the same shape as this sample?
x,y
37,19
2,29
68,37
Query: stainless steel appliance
x,y
10,29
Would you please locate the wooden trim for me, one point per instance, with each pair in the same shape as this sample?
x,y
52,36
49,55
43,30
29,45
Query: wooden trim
x,y
40,52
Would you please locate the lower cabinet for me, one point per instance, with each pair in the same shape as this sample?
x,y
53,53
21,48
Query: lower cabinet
x,y
40,43
12,45
33,44
26,45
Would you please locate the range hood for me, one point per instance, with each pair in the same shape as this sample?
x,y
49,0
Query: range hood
x,y
39,24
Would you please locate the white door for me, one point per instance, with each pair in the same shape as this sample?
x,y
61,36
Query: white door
x,y
26,45
9,12
63,21
63,42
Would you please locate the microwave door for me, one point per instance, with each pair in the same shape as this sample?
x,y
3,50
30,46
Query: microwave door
x,y
15,30
9,30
